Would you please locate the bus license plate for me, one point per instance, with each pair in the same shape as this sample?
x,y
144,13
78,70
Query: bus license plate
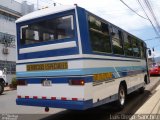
x,y
47,83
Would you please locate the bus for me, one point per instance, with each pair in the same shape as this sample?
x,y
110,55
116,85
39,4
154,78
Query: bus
x,y
67,57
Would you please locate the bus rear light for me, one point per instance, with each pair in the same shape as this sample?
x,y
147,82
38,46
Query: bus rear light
x,y
35,97
76,82
21,82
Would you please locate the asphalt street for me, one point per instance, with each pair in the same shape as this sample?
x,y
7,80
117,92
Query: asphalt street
x,y
8,107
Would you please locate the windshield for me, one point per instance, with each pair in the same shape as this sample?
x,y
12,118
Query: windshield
x,y
48,30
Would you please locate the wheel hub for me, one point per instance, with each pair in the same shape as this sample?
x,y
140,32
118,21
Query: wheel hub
x,y
122,96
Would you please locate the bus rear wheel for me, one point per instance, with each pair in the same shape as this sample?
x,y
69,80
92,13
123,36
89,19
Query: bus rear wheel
x,y
121,97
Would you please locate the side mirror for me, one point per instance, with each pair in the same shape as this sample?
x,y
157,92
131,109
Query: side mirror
x,y
149,52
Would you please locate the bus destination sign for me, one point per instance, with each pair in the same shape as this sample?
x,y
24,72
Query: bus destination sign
x,y
47,66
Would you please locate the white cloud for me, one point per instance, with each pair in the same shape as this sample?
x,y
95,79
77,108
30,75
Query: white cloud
x,y
112,10
155,54
117,13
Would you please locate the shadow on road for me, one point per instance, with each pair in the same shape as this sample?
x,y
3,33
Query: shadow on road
x,y
134,101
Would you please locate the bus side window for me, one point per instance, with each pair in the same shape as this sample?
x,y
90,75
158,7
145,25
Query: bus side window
x,y
99,35
136,47
117,41
128,45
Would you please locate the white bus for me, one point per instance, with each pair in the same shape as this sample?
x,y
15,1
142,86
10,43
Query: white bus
x,y
70,58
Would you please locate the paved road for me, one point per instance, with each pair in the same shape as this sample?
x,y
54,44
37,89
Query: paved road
x,y
7,105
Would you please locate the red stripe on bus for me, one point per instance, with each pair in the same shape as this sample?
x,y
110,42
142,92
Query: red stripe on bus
x,y
74,99
27,97
43,97
53,98
63,98
35,97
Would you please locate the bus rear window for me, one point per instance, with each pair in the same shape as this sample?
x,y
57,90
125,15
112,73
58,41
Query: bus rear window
x,y
47,30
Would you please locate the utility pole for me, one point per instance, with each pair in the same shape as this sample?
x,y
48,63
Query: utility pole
x,y
37,4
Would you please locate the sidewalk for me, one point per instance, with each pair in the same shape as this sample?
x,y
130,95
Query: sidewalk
x,y
151,107
8,88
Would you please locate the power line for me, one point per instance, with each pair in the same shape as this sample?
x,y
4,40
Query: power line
x,y
142,16
133,10
152,13
149,19
152,38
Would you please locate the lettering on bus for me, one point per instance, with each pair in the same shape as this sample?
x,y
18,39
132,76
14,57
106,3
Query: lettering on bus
x,y
47,66
102,76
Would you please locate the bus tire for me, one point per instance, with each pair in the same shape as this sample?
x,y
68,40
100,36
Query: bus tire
x,y
121,97
146,79
1,88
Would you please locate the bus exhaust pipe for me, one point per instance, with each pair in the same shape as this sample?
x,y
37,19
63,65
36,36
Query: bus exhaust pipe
x,y
46,109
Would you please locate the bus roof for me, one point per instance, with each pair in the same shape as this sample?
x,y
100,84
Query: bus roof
x,y
45,12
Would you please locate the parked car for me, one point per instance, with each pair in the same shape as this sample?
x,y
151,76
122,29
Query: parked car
x,y
3,80
154,70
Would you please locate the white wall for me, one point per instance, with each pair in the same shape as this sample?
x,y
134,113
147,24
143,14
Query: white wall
x,y
11,56
16,6
22,8
8,27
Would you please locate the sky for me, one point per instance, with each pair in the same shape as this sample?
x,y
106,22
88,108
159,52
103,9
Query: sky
x,y
117,13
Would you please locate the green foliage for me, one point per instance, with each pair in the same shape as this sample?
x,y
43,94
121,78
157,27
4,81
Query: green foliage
x,y
14,82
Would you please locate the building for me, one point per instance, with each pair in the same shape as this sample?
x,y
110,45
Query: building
x,y
10,11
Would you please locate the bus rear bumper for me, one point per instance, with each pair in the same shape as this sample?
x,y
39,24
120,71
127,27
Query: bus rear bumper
x,y
67,104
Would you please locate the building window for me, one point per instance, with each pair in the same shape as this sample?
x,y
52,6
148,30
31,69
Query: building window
x,y
11,66
7,39
117,42
99,35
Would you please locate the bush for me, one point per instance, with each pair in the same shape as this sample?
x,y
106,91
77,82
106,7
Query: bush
x,y
14,82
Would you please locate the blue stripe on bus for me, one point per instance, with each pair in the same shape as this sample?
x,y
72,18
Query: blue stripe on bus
x,y
65,79
33,80
87,71
67,104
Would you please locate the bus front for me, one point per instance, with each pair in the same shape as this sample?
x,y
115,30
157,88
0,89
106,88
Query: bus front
x,y
47,47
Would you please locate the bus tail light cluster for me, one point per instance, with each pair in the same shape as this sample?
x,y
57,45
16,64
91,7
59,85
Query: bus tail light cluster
x,y
21,82
76,82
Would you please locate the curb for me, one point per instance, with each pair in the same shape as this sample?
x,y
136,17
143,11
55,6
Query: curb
x,y
155,85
